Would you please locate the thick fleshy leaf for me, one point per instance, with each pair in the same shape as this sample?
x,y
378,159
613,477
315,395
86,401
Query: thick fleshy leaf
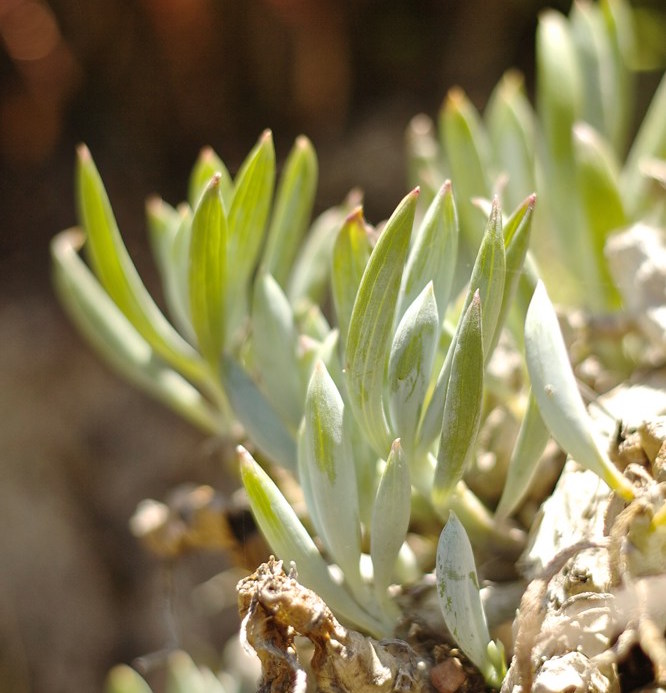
x,y
246,217
291,213
592,43
207,165
462,409
650,143
423,157
517,232
262,423
559,98
116,339
460,601
208,273
510,120
555,390
117,274
599,185
433,254
124,679
331,473
390,517
467,153
165,226
308,282
410,365
291,542
163,222
184,676
487,278
274,344
530,444
371,324
620,102
350,256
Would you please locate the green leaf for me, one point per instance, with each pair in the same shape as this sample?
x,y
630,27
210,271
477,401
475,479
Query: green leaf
x,y
650,143
163,222
433,253
423,159
467,152
460,601
184,676
555,390
291,542
117,340
510,120
487,278
208,277
618,21
517,233
462,409
371,324
207,165
331,473
123,679
247,216
599,185
351,251
293,206
113,266
308,282
274,343
590,36
410,364
390,518
262,423
559,99
530,444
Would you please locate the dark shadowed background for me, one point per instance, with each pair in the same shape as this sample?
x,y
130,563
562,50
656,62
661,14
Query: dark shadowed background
x,y
146,83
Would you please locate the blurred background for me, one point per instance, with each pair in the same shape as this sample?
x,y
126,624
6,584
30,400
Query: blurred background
x,y
145,84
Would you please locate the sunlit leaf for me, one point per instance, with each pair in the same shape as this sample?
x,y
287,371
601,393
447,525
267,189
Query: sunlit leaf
x,y
390,517
467,153
117,274
350,256
246,218
487,278
118,341
599,186
410,364
274,342
124,679
292,209
433,254
460,600
530,444
650,143
371,324
208,273
184,676
207,165
331,473
308,282
462,409
510,121
291,542
260,420
555,390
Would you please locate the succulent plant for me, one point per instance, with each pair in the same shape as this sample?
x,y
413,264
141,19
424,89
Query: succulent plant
x,y
376,406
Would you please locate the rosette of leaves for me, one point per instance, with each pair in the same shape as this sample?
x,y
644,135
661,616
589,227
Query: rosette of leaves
x,y
572,147
376,412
